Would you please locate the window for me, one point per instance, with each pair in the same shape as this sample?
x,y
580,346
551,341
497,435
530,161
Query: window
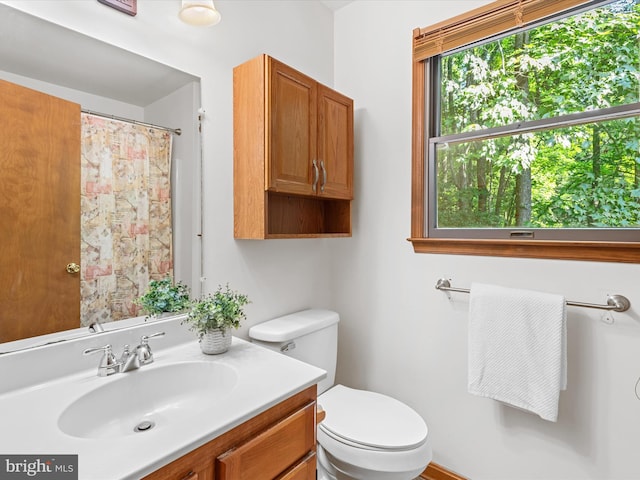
x,y
526,133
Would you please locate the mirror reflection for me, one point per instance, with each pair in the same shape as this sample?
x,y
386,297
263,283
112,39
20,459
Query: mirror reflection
x,y
82,238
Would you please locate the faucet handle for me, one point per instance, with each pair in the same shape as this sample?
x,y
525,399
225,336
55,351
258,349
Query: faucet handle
x,y
145,338
108,363
143,351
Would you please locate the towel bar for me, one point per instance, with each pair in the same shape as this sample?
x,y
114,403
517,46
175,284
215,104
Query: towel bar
x,y
616,303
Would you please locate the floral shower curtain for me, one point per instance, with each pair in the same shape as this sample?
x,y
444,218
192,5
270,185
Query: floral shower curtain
x,y
125,215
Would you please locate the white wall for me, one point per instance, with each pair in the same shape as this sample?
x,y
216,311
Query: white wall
x,y
280,276
401,336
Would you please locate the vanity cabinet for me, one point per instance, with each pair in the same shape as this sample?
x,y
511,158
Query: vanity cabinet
x,y
293,154
279,443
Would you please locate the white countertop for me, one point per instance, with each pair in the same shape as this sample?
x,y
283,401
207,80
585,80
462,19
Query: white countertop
x,y
29,415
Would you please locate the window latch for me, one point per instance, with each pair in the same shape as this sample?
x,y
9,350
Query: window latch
x,y
521,234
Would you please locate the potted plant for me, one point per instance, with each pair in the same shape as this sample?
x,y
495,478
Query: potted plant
x,y
164,296
212,317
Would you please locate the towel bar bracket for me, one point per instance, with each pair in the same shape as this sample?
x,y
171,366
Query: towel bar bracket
x,y
615,303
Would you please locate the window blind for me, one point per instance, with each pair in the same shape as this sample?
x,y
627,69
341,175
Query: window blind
x,y
483,22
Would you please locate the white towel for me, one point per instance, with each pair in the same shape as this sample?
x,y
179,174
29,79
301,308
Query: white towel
x,y
517,347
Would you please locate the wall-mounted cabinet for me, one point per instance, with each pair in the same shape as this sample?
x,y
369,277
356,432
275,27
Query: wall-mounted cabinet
x,y
293,154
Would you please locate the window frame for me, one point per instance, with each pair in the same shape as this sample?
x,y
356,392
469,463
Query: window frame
x,y
492,19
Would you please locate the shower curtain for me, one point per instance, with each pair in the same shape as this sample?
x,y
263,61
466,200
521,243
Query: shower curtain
x,y
125,215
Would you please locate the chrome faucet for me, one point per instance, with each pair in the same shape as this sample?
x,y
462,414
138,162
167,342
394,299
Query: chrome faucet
x,y
129,360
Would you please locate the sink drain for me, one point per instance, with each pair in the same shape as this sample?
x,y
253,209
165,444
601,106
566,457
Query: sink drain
x,y
144,426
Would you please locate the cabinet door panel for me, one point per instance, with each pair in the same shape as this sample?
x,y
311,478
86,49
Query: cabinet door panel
x,y
292,134
273,451
335,144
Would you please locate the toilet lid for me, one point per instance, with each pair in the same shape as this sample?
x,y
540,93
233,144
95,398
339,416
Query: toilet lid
x,y
371,419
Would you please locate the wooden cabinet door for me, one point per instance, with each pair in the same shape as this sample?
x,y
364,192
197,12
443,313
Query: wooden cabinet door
x,y
39,212
291,131
273,451
335,144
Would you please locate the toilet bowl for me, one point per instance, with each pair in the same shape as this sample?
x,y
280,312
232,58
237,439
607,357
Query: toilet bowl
x,y
370,436
365,435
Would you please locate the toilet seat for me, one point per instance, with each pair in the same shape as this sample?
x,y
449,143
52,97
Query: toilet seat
x,y
369,420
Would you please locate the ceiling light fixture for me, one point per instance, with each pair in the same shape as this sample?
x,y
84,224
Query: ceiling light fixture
x,y
201,13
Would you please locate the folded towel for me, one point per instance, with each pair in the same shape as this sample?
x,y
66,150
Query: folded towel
x,y
517,347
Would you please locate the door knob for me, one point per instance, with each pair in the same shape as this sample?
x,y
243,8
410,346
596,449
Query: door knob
x,y
73,267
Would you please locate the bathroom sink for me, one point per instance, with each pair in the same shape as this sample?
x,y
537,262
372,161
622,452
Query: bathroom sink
x,y
148,399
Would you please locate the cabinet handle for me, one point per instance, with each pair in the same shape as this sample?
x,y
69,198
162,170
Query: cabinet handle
x,y
316,174
188,475
324,175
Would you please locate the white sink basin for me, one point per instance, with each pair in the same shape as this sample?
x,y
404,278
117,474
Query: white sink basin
x,y
192,398
148,399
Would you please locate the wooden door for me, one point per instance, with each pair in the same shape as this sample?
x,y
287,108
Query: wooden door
x,y
335,144
39,212
292,131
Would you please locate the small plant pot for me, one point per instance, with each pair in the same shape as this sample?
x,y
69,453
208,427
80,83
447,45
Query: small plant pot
x,y
215,342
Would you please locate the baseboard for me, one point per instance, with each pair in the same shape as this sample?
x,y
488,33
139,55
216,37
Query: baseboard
x,y
438,472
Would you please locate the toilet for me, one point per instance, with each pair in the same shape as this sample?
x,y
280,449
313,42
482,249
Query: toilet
x,y
365,435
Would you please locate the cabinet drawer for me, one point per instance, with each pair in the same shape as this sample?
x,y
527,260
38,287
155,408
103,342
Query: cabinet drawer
x,y
273,451
195,475
305,470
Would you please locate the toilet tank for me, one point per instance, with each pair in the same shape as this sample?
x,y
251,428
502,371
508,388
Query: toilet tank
x,y
310,336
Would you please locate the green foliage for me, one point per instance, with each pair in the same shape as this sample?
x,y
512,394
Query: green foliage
x,y
581,176
222,310
164,296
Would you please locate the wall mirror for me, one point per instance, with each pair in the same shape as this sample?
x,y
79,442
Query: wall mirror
x,y
45,57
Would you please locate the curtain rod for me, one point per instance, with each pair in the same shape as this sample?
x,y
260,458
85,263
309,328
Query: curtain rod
x,y
176,131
